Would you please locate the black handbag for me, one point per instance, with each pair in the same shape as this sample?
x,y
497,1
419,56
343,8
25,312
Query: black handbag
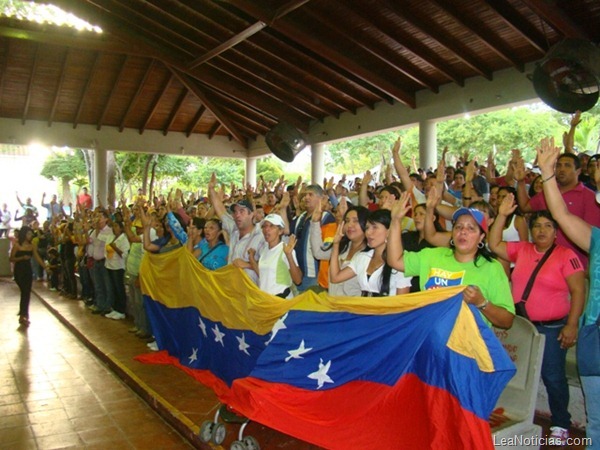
x,y
520,308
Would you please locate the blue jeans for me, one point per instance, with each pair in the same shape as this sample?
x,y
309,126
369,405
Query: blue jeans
x,y
306,283
591,392
554,376
87,287
102,299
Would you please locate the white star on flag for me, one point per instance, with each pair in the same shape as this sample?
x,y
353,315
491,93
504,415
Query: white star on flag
x,y
243,346
321,374
297,353
279,325
202,326
218,335
194,356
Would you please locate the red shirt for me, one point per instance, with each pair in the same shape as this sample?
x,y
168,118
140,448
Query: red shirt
x,y
549,296
85,200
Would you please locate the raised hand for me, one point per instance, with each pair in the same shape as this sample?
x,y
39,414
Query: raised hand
x,y
401,206
367,177
440,175
397,146
285,201
342,207
433,198
212,182
316,215
470,171
547,154
339,233
519,169
289,247
508,206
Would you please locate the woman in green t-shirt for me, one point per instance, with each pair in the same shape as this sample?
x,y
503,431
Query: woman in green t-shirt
x,y
466,262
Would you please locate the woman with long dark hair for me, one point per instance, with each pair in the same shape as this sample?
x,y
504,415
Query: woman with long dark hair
x,y
22,252
375,276
354,241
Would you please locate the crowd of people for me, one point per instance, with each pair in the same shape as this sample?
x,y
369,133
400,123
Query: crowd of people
x,y
508,237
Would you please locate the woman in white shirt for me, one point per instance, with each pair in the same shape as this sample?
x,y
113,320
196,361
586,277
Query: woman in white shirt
x,y
375,276
277,268
352,244
116,251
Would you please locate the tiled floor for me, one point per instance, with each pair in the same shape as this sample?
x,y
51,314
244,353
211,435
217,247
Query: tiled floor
x,y
58,387
55,394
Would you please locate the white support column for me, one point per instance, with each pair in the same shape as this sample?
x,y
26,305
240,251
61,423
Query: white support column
x,y
100,178
251,171
427,144
317,161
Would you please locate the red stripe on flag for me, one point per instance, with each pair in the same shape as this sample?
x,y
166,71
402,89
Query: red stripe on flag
x,y
364,415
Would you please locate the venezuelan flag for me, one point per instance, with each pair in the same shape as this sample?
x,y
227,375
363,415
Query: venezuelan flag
x,y
414,371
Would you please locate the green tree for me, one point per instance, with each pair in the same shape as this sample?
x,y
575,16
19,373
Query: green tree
x,y
65,166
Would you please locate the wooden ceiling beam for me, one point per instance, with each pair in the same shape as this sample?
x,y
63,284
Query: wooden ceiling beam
x,y
492,42
552,14
250,70
379,51
269,47
445,40
127,35
158,31
137,95
244,34
156,103
195,121
250,115
214,129
297,33
87,88
191,84
272,90
56,36
175,111
59,87
231,42
408,42
518,23
36,61
113,90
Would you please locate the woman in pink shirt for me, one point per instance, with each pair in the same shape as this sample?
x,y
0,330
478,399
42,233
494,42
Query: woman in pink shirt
x,y
555,301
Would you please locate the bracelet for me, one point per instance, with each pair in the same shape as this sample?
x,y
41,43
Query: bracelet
x,y
484,305
549,178
467,198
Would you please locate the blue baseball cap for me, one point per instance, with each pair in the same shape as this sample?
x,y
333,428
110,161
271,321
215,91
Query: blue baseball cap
x,y
474,213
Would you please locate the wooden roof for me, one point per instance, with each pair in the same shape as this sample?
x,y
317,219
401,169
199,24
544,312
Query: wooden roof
x,y
238,67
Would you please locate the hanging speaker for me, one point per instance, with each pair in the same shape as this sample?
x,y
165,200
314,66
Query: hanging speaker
x,y
568,78
285,141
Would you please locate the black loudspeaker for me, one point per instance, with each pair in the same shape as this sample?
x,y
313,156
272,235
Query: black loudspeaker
x,y
568,78
285,141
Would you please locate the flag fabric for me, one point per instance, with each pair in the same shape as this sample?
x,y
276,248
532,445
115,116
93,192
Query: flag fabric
x,y
415,371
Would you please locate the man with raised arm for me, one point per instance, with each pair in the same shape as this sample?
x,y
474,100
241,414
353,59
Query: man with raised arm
x,y
239,225
315,272
580,200
587,237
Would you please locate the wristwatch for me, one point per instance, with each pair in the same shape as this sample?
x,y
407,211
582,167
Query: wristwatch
x,y
483,305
